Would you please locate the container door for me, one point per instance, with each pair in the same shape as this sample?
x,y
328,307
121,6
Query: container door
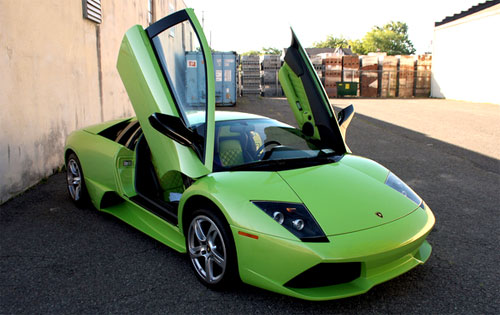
x,y
218,77
307,98
156,66
195,78
228,89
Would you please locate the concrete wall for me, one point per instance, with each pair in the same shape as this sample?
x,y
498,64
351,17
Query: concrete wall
x,y
58,74
465,62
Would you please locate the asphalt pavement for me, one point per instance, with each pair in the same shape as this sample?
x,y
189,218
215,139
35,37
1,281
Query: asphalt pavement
x,y
57,258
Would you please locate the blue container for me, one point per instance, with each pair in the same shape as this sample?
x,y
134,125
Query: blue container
x,y
196,93
225,78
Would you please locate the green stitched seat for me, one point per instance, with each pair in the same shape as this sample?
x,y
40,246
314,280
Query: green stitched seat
x,y
230,152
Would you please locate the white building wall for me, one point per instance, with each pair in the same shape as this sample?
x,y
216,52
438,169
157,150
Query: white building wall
x,y
466,58
57,74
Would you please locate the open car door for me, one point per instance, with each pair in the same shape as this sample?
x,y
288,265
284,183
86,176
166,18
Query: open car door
x,y
308,99
156,66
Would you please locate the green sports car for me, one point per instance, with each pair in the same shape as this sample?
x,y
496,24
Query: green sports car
x,y
248,198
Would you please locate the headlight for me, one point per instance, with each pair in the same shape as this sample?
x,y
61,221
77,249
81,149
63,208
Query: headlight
x,y
295,218
397,184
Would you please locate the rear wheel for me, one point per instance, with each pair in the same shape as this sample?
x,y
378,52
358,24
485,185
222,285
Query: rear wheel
x,y
75,181
211,250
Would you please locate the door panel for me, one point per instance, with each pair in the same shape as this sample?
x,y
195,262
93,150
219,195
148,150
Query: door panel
x,y
152,64
307,98
125,166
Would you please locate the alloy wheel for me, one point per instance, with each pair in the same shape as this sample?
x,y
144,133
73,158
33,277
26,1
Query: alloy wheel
x,y
207,249
74,179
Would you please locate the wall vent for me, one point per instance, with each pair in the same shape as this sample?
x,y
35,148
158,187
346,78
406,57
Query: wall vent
x,y
92,10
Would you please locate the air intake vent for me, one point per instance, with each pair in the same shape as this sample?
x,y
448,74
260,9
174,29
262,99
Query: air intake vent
x,y
326,274
92,10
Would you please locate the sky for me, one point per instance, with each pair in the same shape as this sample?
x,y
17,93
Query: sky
x,y
234,25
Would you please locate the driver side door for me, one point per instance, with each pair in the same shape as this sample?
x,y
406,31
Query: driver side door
x,y
153,64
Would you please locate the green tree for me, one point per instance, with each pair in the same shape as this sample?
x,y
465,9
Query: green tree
x,y
391,38
251,52
357,47
270,51
332,42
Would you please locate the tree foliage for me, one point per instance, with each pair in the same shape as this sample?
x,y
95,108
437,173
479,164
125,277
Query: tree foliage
x,y
357,47
263,51
332,42
391,38
251,52
271,51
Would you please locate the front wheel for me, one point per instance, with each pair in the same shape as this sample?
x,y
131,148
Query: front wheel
x,y
75,181
211,250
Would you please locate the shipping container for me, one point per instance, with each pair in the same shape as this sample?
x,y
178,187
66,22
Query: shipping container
x,y
196,89
225,78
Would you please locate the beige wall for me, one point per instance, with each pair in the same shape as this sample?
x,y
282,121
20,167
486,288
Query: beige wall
x,y
464,59
58,74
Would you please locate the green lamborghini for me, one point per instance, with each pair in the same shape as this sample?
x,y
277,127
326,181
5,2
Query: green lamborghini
x,y
248,198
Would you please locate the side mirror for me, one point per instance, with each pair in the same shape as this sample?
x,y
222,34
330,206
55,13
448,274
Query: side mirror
x,y
174,128
344,118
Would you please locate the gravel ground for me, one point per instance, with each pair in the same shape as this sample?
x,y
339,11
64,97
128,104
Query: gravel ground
x,y
57,258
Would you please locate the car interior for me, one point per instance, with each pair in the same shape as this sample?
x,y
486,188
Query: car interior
x,y
236,143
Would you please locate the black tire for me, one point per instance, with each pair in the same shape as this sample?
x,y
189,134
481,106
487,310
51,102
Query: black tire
x,y
215,242
75,181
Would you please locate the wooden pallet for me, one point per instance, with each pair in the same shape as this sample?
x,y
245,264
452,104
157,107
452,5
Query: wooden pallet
x,y
369,76
423,76
406,76
389,77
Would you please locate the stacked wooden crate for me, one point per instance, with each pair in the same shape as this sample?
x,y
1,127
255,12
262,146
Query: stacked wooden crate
x,y
369,76
250,75
350,69
406,76
271,86
317,63
423,79
389,76
333,74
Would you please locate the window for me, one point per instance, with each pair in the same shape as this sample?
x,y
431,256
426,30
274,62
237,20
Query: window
x,y
92,10
250,141
184,66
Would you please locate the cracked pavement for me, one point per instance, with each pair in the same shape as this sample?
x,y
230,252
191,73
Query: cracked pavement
x,y
57,258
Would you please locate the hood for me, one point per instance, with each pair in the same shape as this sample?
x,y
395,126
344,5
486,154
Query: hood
x,y
346,196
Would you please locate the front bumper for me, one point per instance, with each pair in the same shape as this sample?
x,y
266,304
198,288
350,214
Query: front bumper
x,y
384,252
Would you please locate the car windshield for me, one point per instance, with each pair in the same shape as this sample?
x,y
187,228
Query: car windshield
x,y
258,144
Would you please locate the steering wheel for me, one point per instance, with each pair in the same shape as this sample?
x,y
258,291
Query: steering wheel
x,y
260,151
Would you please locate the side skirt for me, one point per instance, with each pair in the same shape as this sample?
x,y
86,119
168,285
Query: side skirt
x,y
167,211
148,223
